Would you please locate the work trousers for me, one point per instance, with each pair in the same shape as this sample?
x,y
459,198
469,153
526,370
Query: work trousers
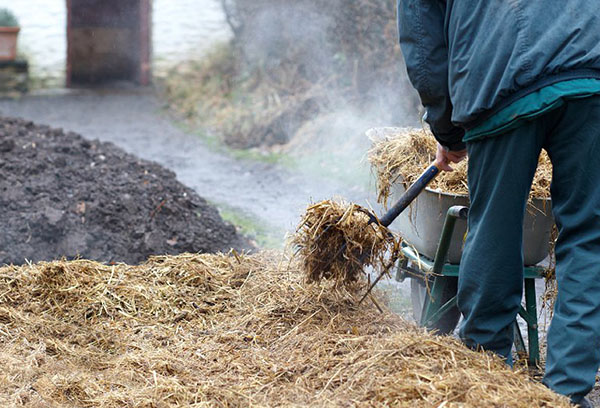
x,y
501,169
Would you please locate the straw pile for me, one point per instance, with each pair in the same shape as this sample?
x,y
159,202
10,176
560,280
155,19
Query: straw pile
x,y
217,330
337,240
403,155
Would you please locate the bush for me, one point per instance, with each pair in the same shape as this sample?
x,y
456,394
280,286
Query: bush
x,y
7,18
291,61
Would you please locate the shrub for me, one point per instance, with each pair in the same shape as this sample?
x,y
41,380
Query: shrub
x,y
7,18
291,61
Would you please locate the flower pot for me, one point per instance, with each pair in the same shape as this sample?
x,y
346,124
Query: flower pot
x,y
8,43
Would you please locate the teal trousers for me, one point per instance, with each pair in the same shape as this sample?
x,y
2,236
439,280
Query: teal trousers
x,y
490,286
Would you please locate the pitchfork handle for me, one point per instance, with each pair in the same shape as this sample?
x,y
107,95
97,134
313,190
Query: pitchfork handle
x,y
410,194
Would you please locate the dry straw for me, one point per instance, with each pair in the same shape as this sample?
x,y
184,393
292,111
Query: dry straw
x,y
402,155
337,240
226,331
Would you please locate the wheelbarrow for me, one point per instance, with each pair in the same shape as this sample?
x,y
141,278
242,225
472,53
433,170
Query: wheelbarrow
x,y
433,231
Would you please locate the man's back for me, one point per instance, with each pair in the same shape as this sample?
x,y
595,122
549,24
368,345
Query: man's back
x,y
496,48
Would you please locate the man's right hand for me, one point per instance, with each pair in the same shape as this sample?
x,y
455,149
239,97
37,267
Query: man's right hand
x,y
444,157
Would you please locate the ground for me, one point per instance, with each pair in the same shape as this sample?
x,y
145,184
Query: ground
x,y
266,194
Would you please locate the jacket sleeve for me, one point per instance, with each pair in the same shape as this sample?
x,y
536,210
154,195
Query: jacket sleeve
x,y
423,43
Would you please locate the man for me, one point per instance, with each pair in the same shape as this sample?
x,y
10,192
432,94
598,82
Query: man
x,y
503,79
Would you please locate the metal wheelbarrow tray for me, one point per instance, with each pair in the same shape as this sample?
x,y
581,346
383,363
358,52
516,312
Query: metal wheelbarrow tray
x,y
421,226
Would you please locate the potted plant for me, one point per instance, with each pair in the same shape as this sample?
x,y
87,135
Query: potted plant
x,y
9,30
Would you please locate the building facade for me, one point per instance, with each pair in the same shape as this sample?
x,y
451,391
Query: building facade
x,y
179,30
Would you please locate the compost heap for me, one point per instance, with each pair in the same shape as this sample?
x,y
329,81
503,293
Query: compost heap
x,y
63,195
401,156
218,330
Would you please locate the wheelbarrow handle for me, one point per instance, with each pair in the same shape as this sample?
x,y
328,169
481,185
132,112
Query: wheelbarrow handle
x,y
413,191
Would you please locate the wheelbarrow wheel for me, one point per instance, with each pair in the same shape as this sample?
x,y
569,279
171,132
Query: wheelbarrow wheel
x,y
420,297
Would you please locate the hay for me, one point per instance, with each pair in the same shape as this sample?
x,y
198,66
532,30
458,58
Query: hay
x,y
403,155
218,331
337,240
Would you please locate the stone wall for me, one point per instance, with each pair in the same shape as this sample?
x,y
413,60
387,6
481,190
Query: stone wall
x,y
14,77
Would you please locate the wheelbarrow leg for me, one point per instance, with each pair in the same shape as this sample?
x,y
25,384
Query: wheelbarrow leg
x,y
519,342
532,325
529,314
433,305
439,311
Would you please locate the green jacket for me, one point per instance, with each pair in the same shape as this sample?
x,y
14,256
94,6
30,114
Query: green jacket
x,y
470,59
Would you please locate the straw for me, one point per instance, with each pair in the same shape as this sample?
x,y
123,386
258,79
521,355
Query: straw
x,y
223,331
400,157
337,240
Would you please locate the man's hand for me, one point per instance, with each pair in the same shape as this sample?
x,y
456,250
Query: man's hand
x,y
444,157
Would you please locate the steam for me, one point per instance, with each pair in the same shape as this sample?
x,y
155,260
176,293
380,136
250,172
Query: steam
x,y
330,146
299,26
296,34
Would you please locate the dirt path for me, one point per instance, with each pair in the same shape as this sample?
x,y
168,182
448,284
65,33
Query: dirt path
x,y
134,121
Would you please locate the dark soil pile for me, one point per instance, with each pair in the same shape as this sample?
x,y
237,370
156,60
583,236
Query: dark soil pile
x,y
63,195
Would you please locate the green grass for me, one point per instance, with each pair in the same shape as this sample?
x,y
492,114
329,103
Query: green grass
x,y
214,143
253,227
281,159
348,170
